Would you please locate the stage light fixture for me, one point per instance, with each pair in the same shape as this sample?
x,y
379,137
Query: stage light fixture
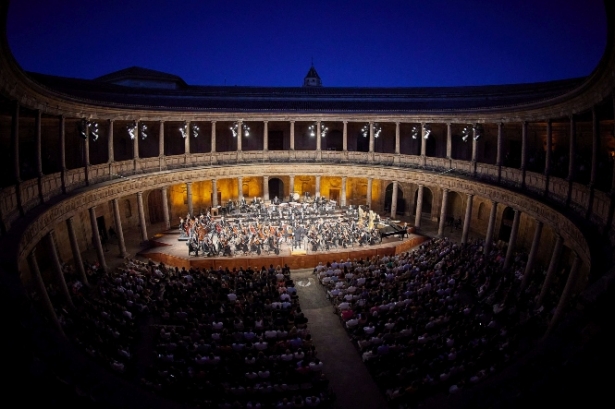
x,y
235,127
132,128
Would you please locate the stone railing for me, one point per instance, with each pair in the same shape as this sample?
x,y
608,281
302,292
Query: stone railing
x,y
27,194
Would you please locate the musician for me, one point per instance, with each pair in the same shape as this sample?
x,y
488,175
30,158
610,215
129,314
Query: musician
x,y
193,245
276,201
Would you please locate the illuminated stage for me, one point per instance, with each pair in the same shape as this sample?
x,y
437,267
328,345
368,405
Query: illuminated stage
x,y
167,248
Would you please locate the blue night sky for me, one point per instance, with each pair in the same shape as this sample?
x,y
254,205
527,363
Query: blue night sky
x,y
355,43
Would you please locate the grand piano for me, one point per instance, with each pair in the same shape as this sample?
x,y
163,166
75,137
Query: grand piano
x,y
390,228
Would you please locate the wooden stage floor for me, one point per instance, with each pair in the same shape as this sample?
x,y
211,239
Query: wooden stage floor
x,y
167,248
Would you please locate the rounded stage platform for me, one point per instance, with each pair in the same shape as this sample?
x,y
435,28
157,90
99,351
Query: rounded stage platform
x,y
168,249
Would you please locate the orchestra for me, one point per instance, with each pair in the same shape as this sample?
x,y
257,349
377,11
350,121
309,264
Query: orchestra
x,y
257,228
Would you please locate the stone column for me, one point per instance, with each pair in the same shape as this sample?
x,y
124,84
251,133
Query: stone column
x,y
118,228
423,140
57,269
143,224
15,139
239,135
165,208
490,228
343,194
523,145
512,241
265,136
317,193
187,139
551,270
394,200
96,240
419,208
572,148
569,288
74,245
213,137
62,132
291,186
467,221
265,188
110,150
371,137
449,141
189,198
397,139
549,148
345,137
595,147
42,292
239,188
442,213
214,192
135,142
39,144
529,266
369,192
474,146
161,152
86,148
318,136
498,151
292,135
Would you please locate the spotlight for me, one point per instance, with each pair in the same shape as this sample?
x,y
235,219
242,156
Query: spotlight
x,y
375,126
234,129
184,130
478,131
466,132
86,125
143,131
195,130
414,132
426,131
377,129
323,130
131,128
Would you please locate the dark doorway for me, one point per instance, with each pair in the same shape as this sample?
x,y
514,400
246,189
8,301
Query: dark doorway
x,y
276,141
102,229
506,227
154,203
276,188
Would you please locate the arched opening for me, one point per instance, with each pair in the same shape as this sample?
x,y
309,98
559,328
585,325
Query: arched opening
x,y
482,212
154,204
506,226
334,141
276,188
388,198
427,201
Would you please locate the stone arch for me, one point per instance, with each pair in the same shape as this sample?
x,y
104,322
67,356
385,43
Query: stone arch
x,y
455,205
276,188
388,198
427,200
508,214
154,206
482,213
